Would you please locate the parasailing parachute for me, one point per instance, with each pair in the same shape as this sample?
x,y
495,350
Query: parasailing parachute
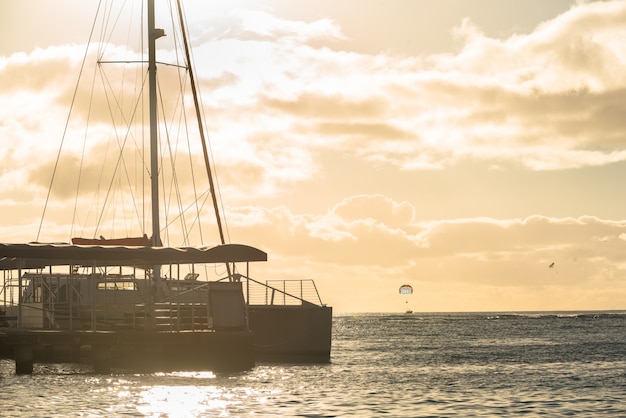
x,y
406,289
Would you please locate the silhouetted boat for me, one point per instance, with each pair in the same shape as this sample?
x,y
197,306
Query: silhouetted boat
x,y
150,304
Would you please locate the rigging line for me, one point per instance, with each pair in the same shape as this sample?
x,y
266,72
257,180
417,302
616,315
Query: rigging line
x,y
120,160
200,109
106,16
139,166
205,152
143,48
160,63
114,128
183,116
67,121
194,184
173,180
139,89
193,176
160,165
174,158
128,122
82,157
142,84
200,125
106,21
182,82
202,197
102,44
173,153
191,165
200,202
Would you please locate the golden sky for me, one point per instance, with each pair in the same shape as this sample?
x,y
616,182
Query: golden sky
x,y
460,146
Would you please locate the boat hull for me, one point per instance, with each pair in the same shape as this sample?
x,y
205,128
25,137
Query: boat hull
x,y
225,351
299,334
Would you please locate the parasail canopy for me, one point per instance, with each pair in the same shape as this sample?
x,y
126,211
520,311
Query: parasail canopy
x,y
406,289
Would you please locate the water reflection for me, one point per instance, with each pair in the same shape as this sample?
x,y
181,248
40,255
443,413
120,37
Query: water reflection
x,y
183,401
393,365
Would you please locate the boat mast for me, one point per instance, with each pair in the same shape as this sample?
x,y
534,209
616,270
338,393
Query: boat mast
x,y
153,35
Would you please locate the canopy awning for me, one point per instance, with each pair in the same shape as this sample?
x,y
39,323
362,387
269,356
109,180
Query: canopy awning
x,y
35,255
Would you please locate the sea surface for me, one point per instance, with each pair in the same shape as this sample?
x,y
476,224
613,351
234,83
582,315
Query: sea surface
x,y
396,365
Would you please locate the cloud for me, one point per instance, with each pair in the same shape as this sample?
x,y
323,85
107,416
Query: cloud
x,y
325,107
547,100
376,207
376,230
378,241
270,27
37,71
282,98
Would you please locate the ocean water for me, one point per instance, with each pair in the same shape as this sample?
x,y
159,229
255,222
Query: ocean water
x,y
406,365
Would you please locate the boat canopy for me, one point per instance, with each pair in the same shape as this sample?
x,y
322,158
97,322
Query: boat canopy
x,y
36,255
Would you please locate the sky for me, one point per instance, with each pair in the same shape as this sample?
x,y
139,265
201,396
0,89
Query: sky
x,y
459,146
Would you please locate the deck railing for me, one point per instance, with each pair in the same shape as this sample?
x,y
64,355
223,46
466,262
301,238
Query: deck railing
x,y
282,292
171,314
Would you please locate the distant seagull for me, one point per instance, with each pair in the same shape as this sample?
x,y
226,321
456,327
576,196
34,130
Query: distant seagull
x,y
551,265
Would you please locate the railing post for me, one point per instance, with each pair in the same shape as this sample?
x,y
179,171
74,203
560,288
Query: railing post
x,y
70,295
93,289
19,294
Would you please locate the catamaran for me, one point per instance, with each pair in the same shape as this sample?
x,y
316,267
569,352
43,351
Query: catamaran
x,y
138,289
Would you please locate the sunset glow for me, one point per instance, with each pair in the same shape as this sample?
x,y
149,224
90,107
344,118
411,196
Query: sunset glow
x,y
459,146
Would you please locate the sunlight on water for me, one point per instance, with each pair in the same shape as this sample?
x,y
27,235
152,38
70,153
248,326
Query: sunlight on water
x,y
189,375
183,401
186,394
382,365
